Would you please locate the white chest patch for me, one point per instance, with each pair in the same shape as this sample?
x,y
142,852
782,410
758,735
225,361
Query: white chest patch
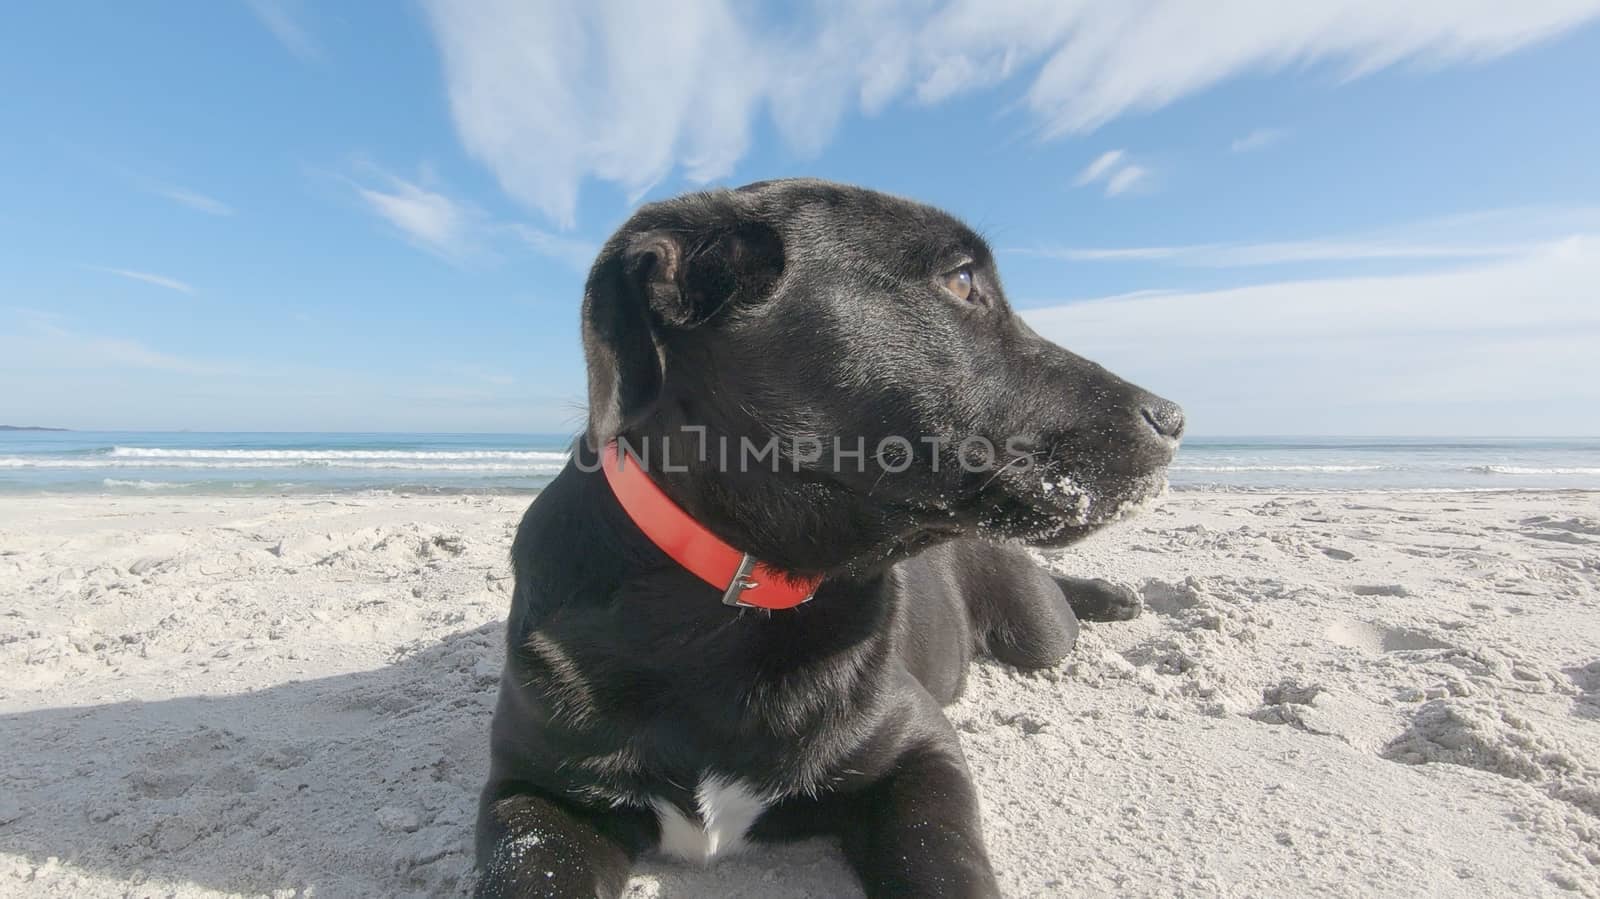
x,y
727,809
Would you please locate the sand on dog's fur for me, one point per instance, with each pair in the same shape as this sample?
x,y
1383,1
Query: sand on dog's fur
x,y
1356,694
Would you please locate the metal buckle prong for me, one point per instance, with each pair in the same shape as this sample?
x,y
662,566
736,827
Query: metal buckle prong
x,y
741,582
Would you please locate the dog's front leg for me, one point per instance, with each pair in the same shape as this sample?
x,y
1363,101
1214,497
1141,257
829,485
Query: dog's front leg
x,y
531,846
916,832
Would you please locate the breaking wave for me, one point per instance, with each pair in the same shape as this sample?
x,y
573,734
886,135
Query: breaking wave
x,y
550,464
308,455
1328,468
1520,469
116,483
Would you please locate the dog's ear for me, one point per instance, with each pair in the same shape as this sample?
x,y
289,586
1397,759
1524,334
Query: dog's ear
x,y
652,284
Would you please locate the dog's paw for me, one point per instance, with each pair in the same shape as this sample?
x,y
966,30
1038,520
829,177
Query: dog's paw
x,y
1100,600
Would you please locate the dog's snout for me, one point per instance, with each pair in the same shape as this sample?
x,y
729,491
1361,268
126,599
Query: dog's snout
x,y
1164,417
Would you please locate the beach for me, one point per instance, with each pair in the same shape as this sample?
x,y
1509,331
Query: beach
x,y
1344,692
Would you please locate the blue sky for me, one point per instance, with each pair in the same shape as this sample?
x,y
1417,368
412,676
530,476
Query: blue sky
x,y
1362,218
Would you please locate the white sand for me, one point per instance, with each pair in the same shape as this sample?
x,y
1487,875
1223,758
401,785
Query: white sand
x,y
1355,694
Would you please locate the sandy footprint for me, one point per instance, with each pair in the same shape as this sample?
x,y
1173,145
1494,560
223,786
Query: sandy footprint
x,y
1375,637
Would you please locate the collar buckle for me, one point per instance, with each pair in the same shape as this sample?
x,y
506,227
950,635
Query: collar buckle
x,y
740,583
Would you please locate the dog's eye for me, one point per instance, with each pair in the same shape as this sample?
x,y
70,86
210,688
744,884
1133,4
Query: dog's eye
x,y
959,283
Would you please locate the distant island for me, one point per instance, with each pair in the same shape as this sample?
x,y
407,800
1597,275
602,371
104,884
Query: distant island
x,y
27,428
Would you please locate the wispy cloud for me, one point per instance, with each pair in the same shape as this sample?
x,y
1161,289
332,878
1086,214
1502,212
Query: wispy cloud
x,y
281,20
1259,139
147,278
1100,168
459,231
39,344
1496,234
1278,252
1125,179
1504,346
635,103
1112,169
429,219
145,183
56,374
195,200
575,252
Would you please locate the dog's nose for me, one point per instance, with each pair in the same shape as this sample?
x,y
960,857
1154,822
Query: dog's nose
x,y
1164,417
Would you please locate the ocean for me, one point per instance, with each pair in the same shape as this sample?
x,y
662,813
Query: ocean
x,y
143,462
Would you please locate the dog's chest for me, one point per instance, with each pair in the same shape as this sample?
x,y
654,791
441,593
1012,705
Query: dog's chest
x,y
725,810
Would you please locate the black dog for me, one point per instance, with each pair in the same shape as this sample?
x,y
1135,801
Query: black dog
x,y
636,710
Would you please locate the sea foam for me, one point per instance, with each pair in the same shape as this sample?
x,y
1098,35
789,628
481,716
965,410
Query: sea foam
x,y
299,455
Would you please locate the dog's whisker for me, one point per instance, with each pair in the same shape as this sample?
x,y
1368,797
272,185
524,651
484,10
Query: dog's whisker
x,y
878,480
1025,457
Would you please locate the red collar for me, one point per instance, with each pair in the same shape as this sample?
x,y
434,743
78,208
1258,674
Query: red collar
x,y
743,580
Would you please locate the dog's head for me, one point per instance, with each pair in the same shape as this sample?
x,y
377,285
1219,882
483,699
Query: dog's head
x,y
869,338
